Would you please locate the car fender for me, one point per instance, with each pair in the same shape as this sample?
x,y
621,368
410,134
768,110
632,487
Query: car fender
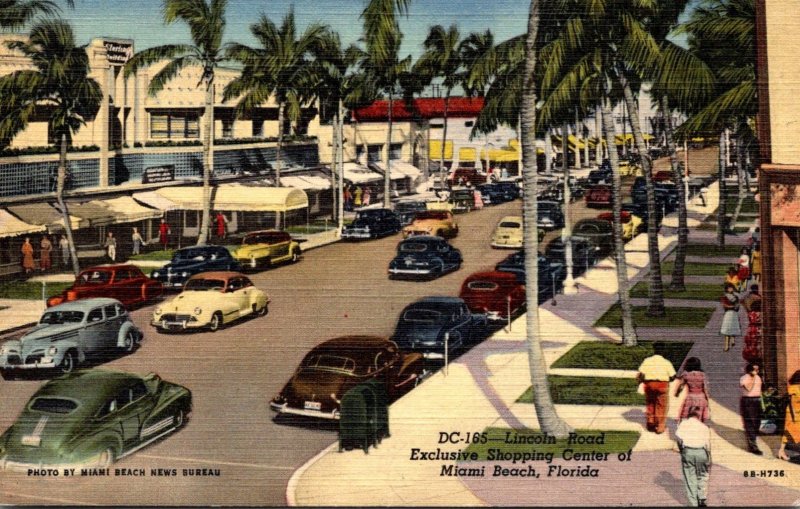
x,y
91,446
171,395
13,344
123,331
63,347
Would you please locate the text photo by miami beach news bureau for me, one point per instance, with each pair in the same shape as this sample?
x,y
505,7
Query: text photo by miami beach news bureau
x,y
124,472
460,463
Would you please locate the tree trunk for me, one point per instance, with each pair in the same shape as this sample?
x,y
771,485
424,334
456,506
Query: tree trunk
x,y
628,331
677,283
208,162
278,156
444,137
598,132
61,180
578,163
334,172
340,161
387,178
585,133
566,232
722,195
549,421
548,152
656,286
739,179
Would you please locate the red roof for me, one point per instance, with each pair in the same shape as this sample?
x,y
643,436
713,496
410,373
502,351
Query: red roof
x,y
431,107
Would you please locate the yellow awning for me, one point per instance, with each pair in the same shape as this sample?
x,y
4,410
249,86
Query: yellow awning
x,y
435,150
467,154
10,226
619,138
238,197
501,155
648,137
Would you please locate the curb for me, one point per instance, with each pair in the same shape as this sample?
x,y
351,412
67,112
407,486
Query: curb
x,y
292,485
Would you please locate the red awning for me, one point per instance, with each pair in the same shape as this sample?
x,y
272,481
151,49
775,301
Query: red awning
x,y
431,107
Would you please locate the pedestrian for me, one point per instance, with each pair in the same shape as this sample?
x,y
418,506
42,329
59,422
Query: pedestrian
x,y
755,237
755,262
656,373
752,338
357,198
63,243
694,442
46,248
743,267
365,199
791,424
163,233
137,240
732,277
694,379
750,404
27,256
730,319
348,199
751,298
222,225
111,246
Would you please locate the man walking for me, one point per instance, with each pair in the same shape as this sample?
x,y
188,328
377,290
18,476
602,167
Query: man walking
x,y
111,246
750,405
656,373
694,442
64,245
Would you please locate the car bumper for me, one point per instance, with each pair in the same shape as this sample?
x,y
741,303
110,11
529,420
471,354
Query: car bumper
x,y
410,272
45,364
286,409
7,465
356,236
177,325
509,243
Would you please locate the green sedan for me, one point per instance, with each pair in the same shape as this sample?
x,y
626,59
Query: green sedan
x,y
91,418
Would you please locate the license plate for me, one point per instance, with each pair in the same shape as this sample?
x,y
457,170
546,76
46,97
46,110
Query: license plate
x,y
313,405
31,440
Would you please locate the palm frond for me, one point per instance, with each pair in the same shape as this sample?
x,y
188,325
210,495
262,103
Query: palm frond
x,y
737,102
150,56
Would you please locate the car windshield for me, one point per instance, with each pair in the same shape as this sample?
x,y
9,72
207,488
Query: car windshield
x,y
190,254
204,285
413,247
409,206
422,315
510,224
94,277
58,317
331,363
263,238
53,405
482,286
432,214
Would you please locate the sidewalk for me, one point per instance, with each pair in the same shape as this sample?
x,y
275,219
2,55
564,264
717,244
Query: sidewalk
x,y
480,390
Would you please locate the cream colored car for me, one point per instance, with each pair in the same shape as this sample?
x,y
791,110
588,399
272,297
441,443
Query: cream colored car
x,y
209,300
508,233
439,223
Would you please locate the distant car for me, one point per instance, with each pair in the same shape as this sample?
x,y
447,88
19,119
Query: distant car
x,y
498,295
550,215
425,325
664,176
126,283
424,257
439,223
91,418
210,300
407,210
334,367
372,224
601,176
489,195
510,189
599,196
189,261
498,193
599,233
463,200
263,249
584,254
69,334
551,272
461,176
666,194
632,225
508,233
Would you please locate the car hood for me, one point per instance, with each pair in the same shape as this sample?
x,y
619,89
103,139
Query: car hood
x,y
51,332
47,438
428,224
409,333
183,265
188,300
246,251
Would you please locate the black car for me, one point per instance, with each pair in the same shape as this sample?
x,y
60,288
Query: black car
x,y
600,176
189,261
550,216
371,224
583,254
599,233
491,194
666,194
552,272
463,200
427,324
406,210
640,209
424,256
510,189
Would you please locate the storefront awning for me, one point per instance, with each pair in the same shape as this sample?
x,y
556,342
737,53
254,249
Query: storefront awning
x,y
10,226
128,210
435,150
400,169
467,154
306,182
155,200
358,174
92,213
43,214
237,197
501,155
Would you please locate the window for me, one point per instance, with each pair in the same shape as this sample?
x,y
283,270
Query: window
x,y
53,405
95,315
138,390
395,151
234,284
469,123
258,127
111,311
227,128
175,125
374,153
108,408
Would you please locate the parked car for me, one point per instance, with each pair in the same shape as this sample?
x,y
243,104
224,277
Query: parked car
x,y
263,249
126,283
70,334
631,225
91,418
550,215
666,194
584,254
510,189
508,233
599,233
439,223
489,195
372,224
210,300
189,261
462,176
640,209
463,200
424,257
601,176
599,196
407,210
498,295
664,176
425,325
334,367
551,272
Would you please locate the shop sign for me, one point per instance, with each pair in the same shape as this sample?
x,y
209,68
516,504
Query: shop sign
x,y
155,174
118,53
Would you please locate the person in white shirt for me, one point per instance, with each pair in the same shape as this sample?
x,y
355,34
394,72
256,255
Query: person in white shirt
x,y
694,442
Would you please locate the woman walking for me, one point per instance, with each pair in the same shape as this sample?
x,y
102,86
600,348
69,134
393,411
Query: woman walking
x,y
27,256
730,320
694,379
743,268
791,426
137,239
46,247
755,262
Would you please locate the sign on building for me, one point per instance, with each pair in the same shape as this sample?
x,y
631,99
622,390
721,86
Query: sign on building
x,y
118,52
156,174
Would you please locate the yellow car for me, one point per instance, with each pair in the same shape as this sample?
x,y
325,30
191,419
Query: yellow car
x,y
263,249
508,233
632,224
439,223
209,300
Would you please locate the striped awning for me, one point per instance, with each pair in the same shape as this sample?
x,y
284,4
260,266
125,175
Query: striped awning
x,y
11,226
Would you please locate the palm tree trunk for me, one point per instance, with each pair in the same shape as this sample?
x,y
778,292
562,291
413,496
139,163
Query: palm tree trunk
x,y
548,152
722,195
628,331
61,180
656,288
598,132
549,421
566,232
444,134
739,180
340,161
334,171
387,178
677,283
278,156
208,162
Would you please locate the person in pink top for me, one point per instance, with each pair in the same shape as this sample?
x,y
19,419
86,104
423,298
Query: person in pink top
x,y
750,404
694,379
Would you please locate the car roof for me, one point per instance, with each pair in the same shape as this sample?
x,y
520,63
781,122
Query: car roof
x,y
492,275
84,304
89,386
437,300
353,342
110,267
219,274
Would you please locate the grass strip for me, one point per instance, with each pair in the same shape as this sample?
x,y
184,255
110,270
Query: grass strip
x,y
693,291
614,442
675,317
699,269
589,390
602,355
713,250
154,256
30,290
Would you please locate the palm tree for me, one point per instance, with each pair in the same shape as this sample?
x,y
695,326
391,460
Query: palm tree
x,y
15,14
281,67
549,421
206,22
61,86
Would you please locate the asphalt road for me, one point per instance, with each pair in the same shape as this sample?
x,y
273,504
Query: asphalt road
x,y
335,290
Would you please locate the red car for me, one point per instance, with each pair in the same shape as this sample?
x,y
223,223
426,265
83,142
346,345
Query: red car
x,y
126,283
599,196
462,176
494,293
663,176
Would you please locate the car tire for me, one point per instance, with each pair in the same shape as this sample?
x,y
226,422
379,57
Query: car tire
x,y
216,322
6,374
129,342
261,312
68,362
107,457
295,256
